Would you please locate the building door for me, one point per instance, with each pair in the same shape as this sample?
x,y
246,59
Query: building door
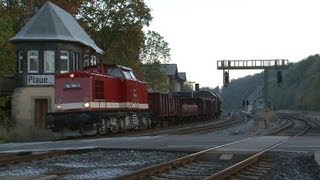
x,y
40,110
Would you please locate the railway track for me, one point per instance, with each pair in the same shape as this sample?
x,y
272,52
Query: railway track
x,y
190,128
200,165
198,128
16,158
9,159
296,126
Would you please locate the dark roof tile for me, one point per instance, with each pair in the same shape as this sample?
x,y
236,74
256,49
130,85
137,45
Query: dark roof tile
x,y
52,23
182,76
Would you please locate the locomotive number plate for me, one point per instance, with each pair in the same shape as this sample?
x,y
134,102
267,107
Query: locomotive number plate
x,y
72,86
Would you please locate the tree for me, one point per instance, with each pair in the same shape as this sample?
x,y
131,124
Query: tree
x,y
187,87
154,55
7,61
116,26
155,49
7,50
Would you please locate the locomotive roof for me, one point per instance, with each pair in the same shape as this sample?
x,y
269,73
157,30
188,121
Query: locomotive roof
x,y
109,65
52,23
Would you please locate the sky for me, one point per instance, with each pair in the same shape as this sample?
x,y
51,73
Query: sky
x,y
200,32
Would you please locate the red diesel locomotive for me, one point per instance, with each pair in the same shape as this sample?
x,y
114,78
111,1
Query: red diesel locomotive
x,y
108,98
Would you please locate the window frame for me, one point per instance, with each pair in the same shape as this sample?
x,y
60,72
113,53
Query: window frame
x,y
36,58
45,60
20,61
67,58
75,62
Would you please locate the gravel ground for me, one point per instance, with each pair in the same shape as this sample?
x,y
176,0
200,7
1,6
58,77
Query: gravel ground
x,y
294,166
250,128
91,165
107,164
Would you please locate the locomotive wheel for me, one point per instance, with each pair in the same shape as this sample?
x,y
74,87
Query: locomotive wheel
x,y
102,127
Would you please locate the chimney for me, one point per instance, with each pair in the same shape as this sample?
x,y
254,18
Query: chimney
x,y
197,86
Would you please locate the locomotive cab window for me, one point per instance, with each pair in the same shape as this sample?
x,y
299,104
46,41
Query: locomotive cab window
x,y
115,72
129,75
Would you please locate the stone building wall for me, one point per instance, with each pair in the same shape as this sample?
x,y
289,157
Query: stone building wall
x,y
23,104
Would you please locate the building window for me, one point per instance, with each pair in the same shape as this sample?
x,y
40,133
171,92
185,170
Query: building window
x,y
89,60
64,61
75,63
48,61
86,60
20,63
33,61
93,60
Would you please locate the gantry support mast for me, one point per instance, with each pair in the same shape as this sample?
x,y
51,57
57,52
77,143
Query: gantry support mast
x,y
266,65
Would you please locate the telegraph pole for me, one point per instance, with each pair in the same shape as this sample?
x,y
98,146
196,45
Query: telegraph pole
x,y
266,89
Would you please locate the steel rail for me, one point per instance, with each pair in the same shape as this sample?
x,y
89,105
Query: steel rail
x,y
280,129
155,169
206,127
15,159
226,173
166,166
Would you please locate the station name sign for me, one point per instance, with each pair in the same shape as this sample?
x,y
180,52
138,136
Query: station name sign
x,y
40,79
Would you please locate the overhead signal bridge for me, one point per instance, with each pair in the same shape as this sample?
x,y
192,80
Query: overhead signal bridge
x,y
252,64
265,64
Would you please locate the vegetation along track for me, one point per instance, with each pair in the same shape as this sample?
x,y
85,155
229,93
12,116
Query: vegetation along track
x,y
195,166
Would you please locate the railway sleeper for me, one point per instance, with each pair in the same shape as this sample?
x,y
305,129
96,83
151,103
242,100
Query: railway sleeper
x,y
188,173
206,171
261,168
204,164
266,164
198,168
248,172
173,176
247,177
156,178
255,171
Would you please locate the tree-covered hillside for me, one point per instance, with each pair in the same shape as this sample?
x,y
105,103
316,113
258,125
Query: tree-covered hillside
x,y
299,90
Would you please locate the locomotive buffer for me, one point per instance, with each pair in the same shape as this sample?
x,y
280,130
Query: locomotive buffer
x,y
266,65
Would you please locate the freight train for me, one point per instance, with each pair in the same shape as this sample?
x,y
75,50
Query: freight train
x,y
108,98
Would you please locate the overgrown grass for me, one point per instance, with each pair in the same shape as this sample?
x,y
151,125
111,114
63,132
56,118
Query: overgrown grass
x,y
23,134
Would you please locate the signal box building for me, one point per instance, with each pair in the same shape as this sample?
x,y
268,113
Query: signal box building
x,y
52,42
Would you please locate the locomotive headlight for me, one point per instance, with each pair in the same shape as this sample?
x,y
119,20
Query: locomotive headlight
x,y
59,106
71,75
86,105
